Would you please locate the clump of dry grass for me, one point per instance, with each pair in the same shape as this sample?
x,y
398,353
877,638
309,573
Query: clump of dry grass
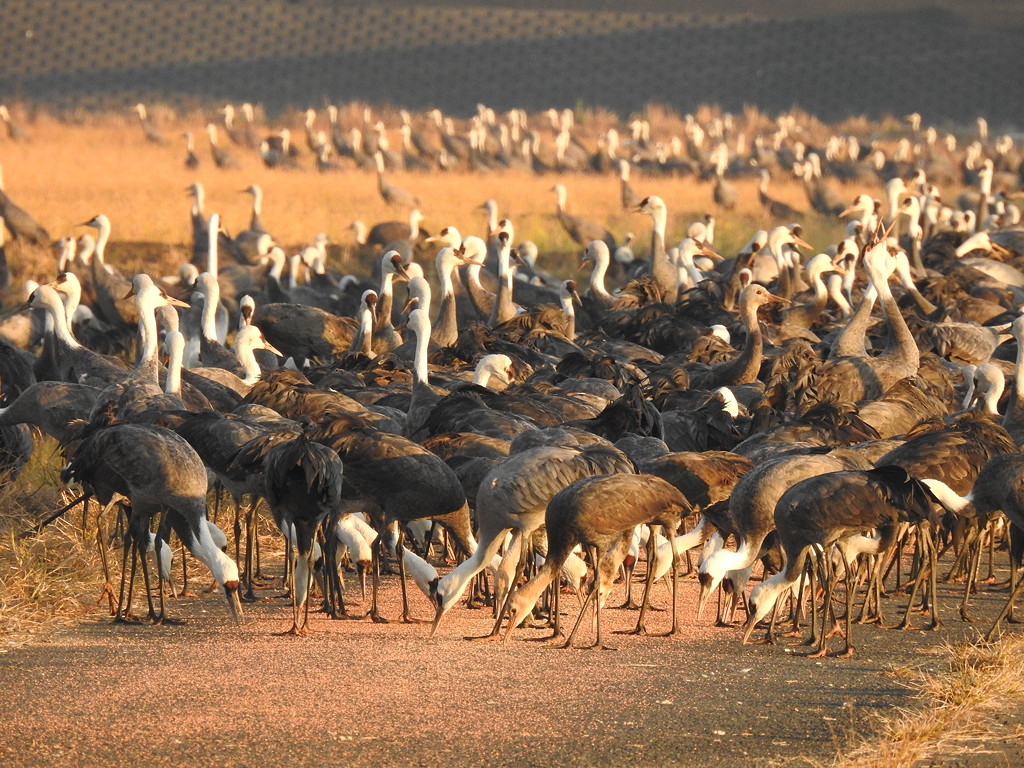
x,y
46,579
954,709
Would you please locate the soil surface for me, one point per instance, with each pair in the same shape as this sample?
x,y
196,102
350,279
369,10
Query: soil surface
x,y
213,693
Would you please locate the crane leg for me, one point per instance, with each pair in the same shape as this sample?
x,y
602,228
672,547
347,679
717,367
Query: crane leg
x,y
590,596
238,532
974,565
399,555
1016,556
374,612
991,576
933,570
293,554
848,649
1014,594
918,580
627,578
126,544
108,589
645,600
796,600
826,609
519,548
675,590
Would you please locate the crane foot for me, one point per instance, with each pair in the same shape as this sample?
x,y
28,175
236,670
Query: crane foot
x,y
294,631
837,629
492,637
965,617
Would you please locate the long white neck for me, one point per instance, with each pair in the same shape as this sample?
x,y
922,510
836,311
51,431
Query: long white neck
x,y
209,318
149,341
444,274
693,275
247,359
835,292
221,566
71,297
820,289
597,286
176,349
561,195
660,218
101,241
420,370
565,300
55,312
366,330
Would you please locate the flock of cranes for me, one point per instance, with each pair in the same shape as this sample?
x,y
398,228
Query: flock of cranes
x,y
829,414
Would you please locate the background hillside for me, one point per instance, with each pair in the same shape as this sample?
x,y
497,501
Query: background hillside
x,y
950,61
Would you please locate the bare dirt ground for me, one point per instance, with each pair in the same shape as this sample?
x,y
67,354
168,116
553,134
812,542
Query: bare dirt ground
x,y
212,693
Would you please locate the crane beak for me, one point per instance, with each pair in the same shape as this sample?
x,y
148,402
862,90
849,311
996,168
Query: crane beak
x,y
410,305
439,611
705,592
131,292
402,272
710,253
779,300
234,602
847,212
838,268
999,250
800,242
576,298
176,302
271,348
16,309
748,626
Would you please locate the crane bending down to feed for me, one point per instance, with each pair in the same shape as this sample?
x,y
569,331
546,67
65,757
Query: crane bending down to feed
x,y
159,473
818,512
303,481
600,513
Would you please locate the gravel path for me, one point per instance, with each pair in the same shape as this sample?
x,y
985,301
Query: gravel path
x,y
211,693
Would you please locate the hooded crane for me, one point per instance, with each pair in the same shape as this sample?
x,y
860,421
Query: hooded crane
x,y
600,513
159,473
303,486
405,480
816,513
513,497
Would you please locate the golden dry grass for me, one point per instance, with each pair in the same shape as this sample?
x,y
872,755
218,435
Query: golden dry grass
x,y
71,171
48,579
954,710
